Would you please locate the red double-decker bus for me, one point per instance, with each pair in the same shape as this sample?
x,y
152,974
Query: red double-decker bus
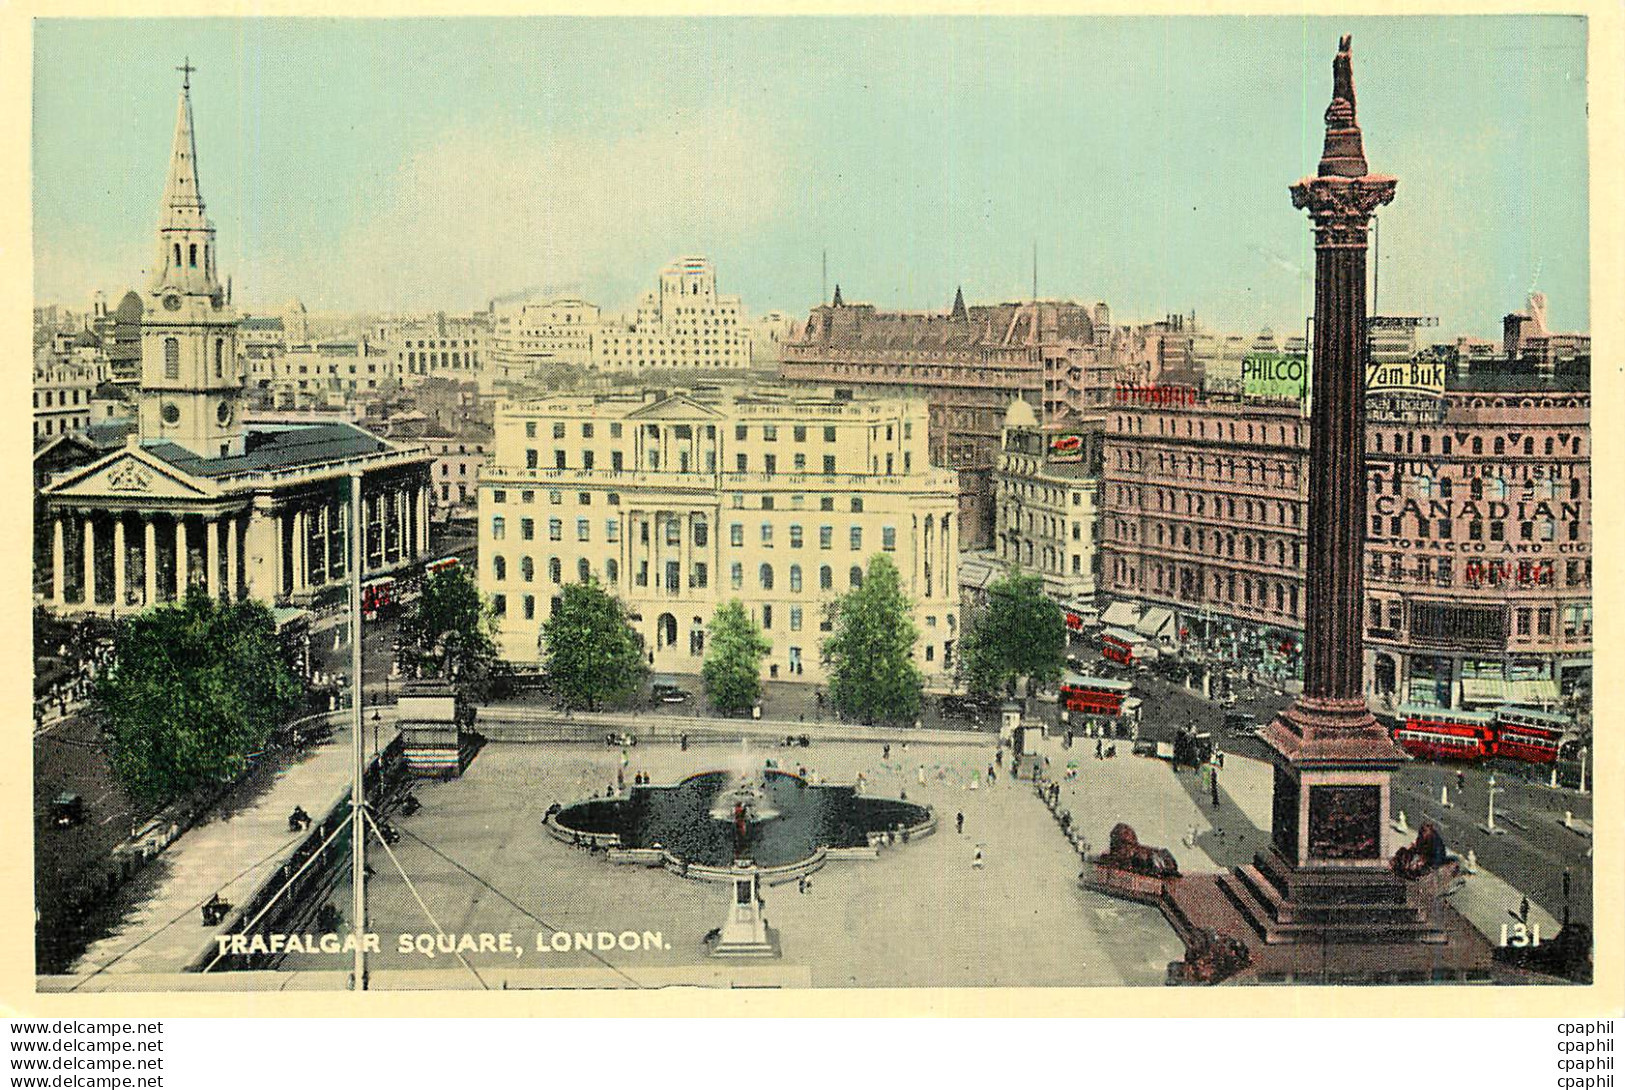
x,y
1120,646
1530,734
1094,695
1439,732
378,596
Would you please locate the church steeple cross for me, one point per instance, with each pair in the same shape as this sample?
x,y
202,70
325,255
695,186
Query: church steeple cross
x,y
186,69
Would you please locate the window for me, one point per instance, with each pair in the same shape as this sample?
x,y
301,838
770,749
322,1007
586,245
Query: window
x,y
530,429
583,570
826,503
583,530
702,534
857,538
739,432
770,433
829,463
674,532
736,576
558,430
499,604
764,575
888,538
555,496
795,536
826,578
826,537
172,358
555,529
741,462
829,434
530,607
499,568
531,459
555,570
586,431
701,576
795,578
767,534
857,505
767,616
527,569
795,618
801,433
499,528
800,463
612,530
736,534
855,577
558,459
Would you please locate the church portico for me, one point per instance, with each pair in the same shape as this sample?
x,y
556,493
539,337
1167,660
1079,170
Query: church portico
x,y
198,499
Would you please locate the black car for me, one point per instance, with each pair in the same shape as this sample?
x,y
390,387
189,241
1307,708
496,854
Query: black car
x,y
668,694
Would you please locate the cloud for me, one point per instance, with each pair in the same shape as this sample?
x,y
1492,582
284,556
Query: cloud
x,y
484,211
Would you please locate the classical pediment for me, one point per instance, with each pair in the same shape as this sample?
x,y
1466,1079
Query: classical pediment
x,y
130,474
677,408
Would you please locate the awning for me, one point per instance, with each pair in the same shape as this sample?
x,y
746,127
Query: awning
x,y
1133,639
1121,615
977,575
1495,691
1156,622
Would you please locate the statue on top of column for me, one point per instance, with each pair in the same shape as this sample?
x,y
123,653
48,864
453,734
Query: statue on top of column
x,y
1343,74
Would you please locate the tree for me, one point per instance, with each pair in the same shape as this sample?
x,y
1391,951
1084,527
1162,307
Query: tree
x,y
733,663
191,691
590,651
1019,633
448,633
872,671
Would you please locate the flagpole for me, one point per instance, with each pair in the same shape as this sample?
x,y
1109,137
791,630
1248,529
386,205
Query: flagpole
x,y
358,797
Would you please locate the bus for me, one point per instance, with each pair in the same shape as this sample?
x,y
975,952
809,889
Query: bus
x,y
1439,732
1094,695
379,596
445,563
1122,646
1530,734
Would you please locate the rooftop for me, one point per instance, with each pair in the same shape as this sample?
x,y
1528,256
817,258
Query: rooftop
x,y
277,446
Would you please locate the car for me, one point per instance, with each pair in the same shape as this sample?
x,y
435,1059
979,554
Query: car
x,y
668,694
67,810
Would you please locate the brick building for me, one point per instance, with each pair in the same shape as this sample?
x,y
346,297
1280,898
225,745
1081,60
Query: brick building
x,y
968,364
1478,551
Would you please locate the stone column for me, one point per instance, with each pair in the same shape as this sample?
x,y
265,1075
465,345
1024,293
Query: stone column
x,y
150,568
233,527
90,560
211,556
180,557
405,521
120,560
301,551
279,583
423,520
58,559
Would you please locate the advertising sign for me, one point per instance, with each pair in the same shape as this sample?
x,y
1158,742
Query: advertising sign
x,y
1423,377
1266,377
1066,448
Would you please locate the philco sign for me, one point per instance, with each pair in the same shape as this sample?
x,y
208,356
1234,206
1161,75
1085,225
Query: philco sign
x,y
1274,378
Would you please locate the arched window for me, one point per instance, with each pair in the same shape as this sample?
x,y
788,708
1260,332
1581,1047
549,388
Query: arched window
x,y
855,577
826,578
219,358
172,357
1500,445
191,252
795,578
499,568
177,255
612,571
765,575
555,573
583,570
527,569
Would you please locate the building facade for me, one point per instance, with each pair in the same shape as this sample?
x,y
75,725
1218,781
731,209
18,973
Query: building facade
x,y
1478,576
1047,491
455,475
968,364
679,502
196,497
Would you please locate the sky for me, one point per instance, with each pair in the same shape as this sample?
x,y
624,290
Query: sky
x,y
402,165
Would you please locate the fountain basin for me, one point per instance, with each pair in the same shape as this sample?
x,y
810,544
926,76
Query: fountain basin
x,y
683,819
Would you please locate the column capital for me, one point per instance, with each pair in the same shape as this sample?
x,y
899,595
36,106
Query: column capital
x,y
1341,208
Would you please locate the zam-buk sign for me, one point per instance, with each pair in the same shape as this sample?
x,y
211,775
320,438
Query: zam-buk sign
x,y
1267,377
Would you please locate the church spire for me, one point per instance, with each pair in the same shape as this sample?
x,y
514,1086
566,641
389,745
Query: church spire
x,y
959,304
185,237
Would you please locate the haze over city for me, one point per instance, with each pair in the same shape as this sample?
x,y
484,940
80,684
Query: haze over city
x,y
410,165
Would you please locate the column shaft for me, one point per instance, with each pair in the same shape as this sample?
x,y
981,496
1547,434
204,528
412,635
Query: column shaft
x,y
90,560
150,567
120,560
58,591
211,553
181,559
233,527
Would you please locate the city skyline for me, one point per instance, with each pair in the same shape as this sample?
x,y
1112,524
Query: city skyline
x,y
380,221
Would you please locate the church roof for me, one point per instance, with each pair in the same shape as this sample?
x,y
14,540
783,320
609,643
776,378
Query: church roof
x,y
277,446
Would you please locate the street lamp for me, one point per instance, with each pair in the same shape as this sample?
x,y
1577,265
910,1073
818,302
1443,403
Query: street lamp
x,y
375,719
1489,821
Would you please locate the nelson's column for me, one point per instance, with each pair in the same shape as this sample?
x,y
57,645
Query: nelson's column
x,y
1326,877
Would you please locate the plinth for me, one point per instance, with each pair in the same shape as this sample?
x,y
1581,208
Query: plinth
x,y
745,933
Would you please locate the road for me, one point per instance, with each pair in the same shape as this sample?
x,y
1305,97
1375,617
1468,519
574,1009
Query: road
x,y
1531,852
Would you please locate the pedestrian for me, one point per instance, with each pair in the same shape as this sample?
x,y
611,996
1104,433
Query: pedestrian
x,y
885,752
976,859
959,827
1461,780
1523,910
1098,747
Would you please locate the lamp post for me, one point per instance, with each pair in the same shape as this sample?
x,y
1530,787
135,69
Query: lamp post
x,y
1489,820
375,719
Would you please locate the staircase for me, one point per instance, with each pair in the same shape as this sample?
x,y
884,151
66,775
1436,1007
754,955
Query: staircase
x,y
1313,905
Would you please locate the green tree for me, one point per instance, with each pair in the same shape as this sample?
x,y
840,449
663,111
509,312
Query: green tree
x,y
448,633
191,691
733,662
872,671
1019,633
591,652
